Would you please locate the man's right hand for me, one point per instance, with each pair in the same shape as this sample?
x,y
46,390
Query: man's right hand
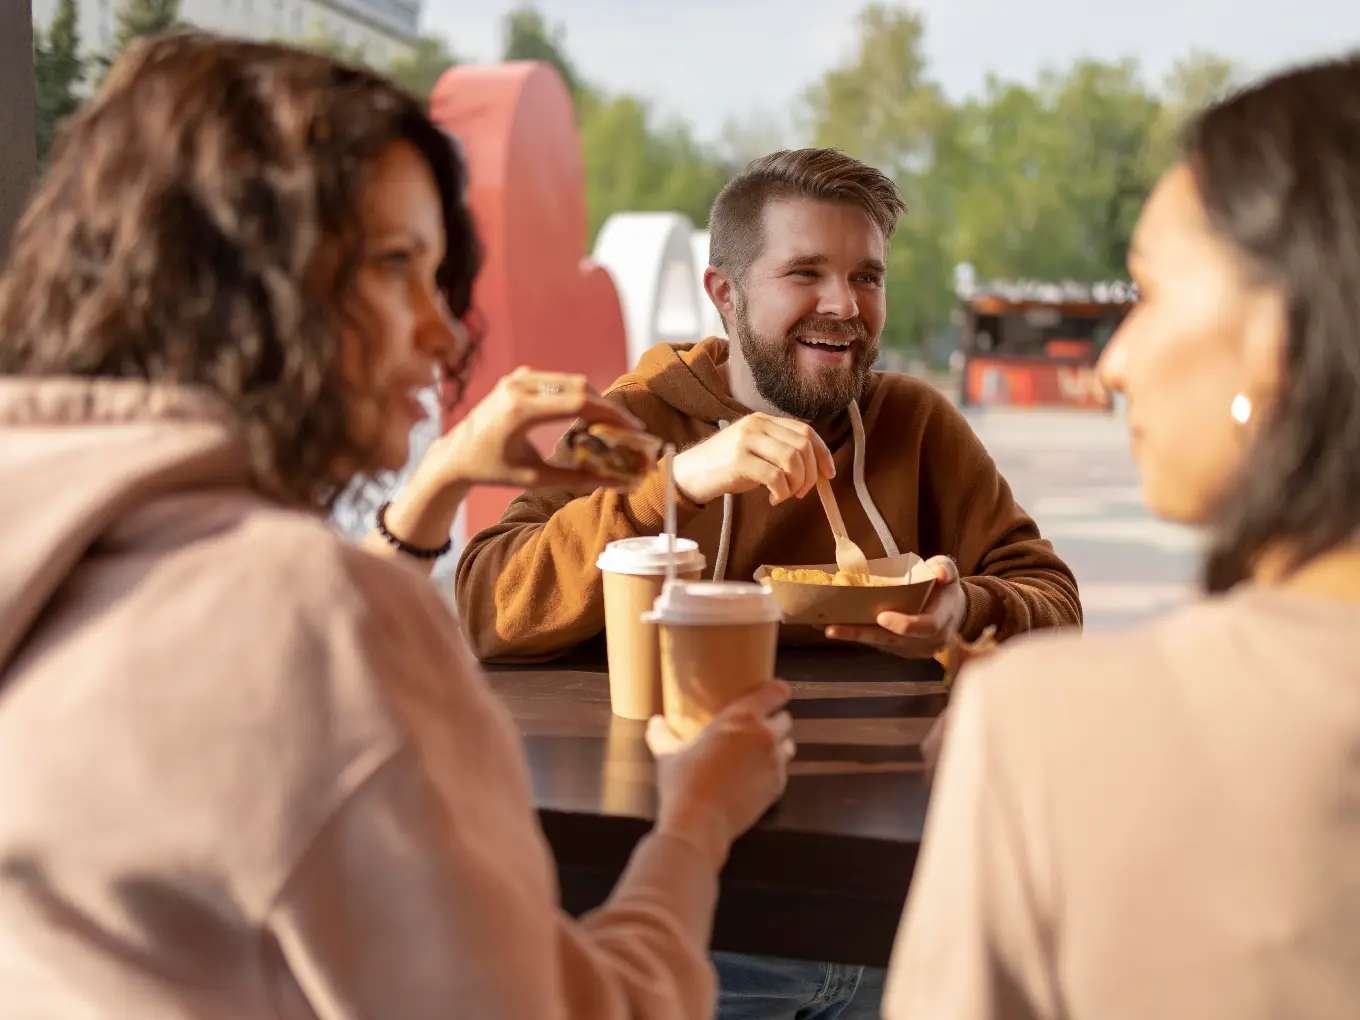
x,y
783,455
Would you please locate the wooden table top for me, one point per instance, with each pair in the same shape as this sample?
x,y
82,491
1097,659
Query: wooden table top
x,y
824,874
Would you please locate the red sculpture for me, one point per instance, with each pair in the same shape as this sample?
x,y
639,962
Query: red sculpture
x,y
542,301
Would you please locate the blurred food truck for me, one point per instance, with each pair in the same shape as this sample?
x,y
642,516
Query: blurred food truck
x,y
1030,343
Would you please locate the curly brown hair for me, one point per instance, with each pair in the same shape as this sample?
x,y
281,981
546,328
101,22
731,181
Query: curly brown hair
x,y
176,238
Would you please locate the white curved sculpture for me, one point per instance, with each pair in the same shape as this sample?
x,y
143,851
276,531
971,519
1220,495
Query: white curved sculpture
x,y
709,319
650,258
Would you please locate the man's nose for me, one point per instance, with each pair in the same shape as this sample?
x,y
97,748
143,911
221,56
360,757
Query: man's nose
x,y
838,300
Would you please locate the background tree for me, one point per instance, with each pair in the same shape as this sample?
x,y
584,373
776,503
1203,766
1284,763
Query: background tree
x,y
1193,83
1025,180
145,17
755,132
421,70
1050,179
528,37
1036,179
320,40
58,71
881,106
632,163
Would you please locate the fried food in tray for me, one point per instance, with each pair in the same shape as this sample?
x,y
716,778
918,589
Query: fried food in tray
x,y
613,453
840,579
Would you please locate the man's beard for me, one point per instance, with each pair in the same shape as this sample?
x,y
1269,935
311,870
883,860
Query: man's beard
x,y
774,367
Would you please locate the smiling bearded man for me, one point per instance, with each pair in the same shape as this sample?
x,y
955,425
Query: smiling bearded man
x,y
798,253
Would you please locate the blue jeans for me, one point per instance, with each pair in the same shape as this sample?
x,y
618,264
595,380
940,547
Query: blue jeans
x,y
765,988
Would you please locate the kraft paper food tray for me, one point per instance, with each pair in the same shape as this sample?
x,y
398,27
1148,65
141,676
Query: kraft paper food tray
x,y
820,605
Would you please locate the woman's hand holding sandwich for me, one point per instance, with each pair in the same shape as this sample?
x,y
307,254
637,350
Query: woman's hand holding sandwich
x,y
491,446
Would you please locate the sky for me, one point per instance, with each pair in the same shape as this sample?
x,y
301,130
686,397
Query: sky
x,y
709,61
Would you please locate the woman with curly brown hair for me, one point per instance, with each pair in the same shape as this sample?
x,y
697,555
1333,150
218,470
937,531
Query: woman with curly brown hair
x,y
246,768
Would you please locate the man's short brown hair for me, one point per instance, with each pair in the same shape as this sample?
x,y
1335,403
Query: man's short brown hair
x,y
735,224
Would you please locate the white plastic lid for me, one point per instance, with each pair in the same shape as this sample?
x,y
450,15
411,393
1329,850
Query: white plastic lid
x,y
714,603
646,556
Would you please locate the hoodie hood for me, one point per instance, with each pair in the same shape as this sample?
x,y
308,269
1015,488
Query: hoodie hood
x,y
692,378
79,456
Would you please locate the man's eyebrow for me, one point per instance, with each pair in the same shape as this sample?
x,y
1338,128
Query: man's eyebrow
x,y
802,260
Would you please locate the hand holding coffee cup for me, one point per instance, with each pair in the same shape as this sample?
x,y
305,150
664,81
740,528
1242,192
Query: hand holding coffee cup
x,y
718,643
714,787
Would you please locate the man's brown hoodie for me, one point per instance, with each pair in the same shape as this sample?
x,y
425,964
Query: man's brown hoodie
x,y
914,478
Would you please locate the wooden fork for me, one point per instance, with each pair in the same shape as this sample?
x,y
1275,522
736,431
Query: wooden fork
x,y
849,557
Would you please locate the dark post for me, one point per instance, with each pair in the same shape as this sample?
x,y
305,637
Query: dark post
x,y
18,114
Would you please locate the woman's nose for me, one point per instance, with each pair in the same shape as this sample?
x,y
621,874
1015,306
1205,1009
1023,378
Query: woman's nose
x,y
1113,361
438,333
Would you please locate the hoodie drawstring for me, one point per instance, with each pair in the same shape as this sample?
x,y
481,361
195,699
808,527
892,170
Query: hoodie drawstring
x,y
861,490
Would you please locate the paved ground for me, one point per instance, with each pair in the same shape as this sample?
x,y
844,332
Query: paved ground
x,y
1072,472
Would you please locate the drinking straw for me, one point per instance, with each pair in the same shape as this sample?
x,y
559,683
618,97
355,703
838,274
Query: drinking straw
x,y
670,513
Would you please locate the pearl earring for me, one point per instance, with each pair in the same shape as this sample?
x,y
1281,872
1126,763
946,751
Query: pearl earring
x,y
1241,408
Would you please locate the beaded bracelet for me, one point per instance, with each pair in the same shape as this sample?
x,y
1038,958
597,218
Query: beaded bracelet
x,y
408,549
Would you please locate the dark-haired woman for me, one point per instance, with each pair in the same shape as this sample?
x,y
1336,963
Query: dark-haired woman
x,y
246,768
1166,823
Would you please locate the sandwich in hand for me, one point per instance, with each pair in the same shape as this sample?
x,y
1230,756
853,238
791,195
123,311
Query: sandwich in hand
x,y
612,453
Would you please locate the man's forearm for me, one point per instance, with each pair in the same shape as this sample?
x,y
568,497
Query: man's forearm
x,y
1038,599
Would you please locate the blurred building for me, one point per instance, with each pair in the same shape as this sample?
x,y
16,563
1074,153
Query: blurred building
x,y
383,30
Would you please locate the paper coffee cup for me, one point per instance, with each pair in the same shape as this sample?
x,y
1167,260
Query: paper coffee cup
x,y
634,572
718,642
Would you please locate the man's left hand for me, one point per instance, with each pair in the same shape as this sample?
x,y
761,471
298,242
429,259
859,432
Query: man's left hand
x,y
922,635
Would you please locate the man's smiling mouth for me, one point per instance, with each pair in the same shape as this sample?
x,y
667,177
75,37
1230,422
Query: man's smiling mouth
x,y
825,343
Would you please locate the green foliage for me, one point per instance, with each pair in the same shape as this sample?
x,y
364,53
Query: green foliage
x,y
880,106
319,40
145,17
1038,180
419,72
528,37
58,71
631,164
1041,180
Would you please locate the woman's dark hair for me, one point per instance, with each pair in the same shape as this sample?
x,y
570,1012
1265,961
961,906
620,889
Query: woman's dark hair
x,y
1278,170
187,233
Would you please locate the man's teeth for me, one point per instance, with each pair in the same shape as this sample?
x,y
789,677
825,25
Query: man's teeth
x,y
835,345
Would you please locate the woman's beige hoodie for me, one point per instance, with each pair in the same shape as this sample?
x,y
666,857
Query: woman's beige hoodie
x,y
249,770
